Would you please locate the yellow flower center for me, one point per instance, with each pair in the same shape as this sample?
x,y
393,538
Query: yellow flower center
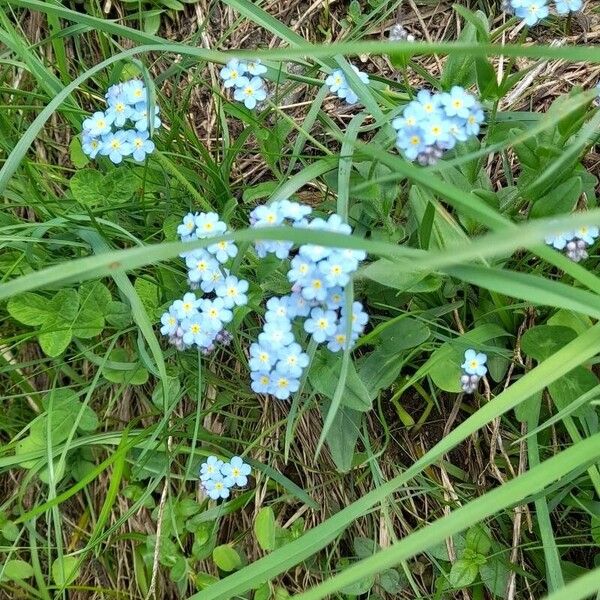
x,y
263,357
115,144
322,323
249,91
235,472
474,364
187,306
264,380
457,103
340,338
415,140
195,328
317,284
231,291
102,123
282,382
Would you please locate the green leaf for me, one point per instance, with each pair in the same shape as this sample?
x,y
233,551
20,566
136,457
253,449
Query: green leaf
x,y
392,581
118,314
359,587
342,437
441,550
264,528
78,158
17,570
86,187
387,273
404,334
65,570
323,378
132,373
58,328
494,574
463,573
364,547
95,296
561,199
28,308
149,294
120,185
478,540
226,558
544,340
10,531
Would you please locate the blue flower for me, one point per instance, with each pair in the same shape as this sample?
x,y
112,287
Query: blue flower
x,y
98,124
293,210
586,233
196,330
437,131
266,216
335,298
141,144
216,313
116,146
276,334
292,360
223,250
564,7
236,472
135,91
475,363
140,117
261,358
560,240
321,324
200,264
532,11
336,270
428,103
90,145
169,322
187,306
255,67
210,468
209,225
474,120
261,382
315,288
217,487
302,269
412,141
457,102
298,306
336,81
251,93
212,278
283,385
359,317
278,308
233,291
232,72
187,229
337,341
119,111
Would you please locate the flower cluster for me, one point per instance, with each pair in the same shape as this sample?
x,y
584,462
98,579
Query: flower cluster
x,y
218,478
533,11
435,122
473,370
122,129
318,275
337,84
574,243
245,80
201,321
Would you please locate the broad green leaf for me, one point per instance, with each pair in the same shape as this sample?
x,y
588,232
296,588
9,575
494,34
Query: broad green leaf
x,y
87,187
118,314
119,185
264,528
10,531
441,550
362,586
387,273
65,570
494,574
364,547
323,378
67,400
463,573
226,558
542,341
392,581
78,158
134,374
95,296
28,308
149,294
55,341
342,436
567,318
404,334
17,570
378,370
562,199
478,540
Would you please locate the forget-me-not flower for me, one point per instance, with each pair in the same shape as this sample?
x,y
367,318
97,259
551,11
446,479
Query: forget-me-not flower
x,y
251,92
475,363
236,472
